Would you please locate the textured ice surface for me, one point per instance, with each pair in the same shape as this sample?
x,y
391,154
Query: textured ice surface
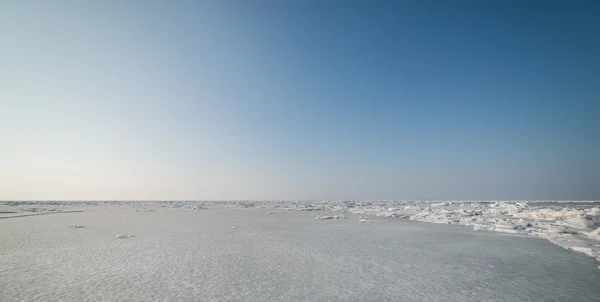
x,y
574,225
244,255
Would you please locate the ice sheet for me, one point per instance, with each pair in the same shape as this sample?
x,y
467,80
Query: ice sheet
x,y
241,254
574,225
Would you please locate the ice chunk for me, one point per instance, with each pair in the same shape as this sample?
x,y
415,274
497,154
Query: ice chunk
x,y
506,229
594,212
595,234
329,217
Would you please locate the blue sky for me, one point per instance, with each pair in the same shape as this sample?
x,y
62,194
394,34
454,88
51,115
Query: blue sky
x,y
299,100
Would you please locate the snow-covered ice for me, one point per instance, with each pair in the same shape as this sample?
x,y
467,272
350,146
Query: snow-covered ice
x,y
233,251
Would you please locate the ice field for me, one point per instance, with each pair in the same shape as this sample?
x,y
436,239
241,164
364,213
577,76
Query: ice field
x,y
298,251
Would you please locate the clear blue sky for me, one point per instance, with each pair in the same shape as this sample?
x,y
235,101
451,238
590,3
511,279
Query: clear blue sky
x,y
300,99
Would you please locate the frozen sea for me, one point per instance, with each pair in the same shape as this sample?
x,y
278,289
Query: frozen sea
x,y
237,254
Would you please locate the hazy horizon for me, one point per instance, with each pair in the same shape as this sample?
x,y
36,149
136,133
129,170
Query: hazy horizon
x,y
299,100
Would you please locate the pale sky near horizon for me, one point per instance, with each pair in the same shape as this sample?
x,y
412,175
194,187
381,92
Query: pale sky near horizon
x,y
222,100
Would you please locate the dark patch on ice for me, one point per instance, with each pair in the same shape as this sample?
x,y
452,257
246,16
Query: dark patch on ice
x,y
76,226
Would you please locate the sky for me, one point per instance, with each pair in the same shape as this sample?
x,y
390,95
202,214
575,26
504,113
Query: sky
x,y
327,100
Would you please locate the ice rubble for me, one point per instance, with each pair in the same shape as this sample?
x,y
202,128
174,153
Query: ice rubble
x,y
577,229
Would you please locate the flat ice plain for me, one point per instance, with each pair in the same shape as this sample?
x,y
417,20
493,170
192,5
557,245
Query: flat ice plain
x,y
298,251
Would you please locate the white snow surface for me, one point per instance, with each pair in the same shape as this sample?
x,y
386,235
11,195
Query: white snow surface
x,y
574,225
233,251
